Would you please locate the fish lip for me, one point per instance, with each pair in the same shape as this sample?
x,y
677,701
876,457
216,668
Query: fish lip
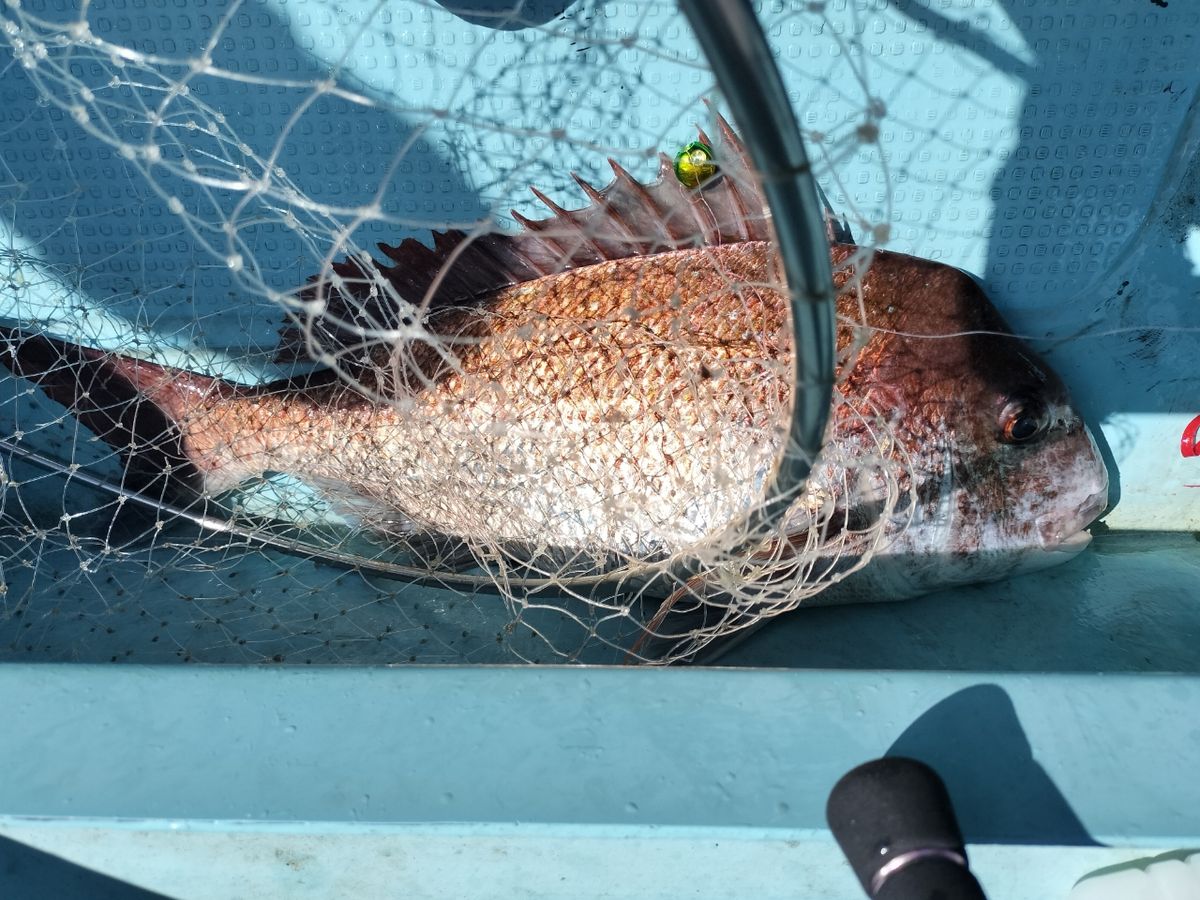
x,y
1057,533
1075,542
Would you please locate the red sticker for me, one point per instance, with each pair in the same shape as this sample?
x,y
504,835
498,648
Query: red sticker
x,y
1188,444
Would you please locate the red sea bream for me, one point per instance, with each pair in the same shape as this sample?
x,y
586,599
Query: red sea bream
x,y
613,383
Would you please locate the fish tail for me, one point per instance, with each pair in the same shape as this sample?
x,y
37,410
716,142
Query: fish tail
x,y
137,407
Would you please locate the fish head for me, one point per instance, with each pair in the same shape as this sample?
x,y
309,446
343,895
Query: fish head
x,y
999,473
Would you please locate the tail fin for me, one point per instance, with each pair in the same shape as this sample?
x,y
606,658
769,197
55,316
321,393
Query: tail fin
x,y
132,405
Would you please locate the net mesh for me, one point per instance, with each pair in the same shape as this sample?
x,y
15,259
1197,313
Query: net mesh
x,y
222,190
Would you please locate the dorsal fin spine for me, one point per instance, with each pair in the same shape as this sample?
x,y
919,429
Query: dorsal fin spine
x,y
548,203
654,212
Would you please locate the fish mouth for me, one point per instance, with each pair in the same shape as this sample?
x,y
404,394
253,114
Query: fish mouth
x,y
1067,533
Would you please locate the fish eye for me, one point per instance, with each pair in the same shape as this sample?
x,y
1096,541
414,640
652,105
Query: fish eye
x,y
1022,420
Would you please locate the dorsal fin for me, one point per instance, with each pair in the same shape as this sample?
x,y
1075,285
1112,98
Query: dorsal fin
x,y
626,218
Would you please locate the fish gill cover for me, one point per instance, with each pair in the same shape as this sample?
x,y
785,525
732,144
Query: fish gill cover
x,y
304,372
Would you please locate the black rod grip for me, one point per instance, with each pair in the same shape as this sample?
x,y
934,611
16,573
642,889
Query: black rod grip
x,y
893,819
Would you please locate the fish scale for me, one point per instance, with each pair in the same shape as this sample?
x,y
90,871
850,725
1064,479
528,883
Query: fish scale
x,y
551,432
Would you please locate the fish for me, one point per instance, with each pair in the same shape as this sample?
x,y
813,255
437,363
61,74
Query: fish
x,y
610,388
